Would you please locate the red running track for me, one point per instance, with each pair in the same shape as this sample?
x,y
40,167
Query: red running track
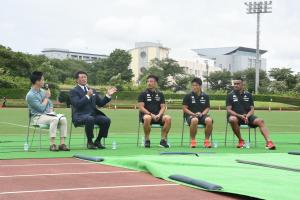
x,y
72,179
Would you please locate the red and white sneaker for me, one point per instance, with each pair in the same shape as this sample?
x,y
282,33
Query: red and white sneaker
x,y
193,144
241,144
207,144
270,145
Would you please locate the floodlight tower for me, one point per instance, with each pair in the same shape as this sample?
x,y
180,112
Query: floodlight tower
x,y
258,7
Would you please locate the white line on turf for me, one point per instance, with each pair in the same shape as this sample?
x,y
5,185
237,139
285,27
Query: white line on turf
x,y
89,188
47,164
62,174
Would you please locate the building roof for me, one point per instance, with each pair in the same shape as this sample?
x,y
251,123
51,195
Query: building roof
x,y
212,52
138,45
67,51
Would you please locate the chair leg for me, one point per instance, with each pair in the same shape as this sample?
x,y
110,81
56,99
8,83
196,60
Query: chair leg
x,y
249,135
70,135
27,135
226,134
255,136
182,131
138,135
32,137
40,138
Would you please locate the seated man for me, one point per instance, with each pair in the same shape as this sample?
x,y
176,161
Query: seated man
x,y
85,112
41,109
152,108
240,110
196,107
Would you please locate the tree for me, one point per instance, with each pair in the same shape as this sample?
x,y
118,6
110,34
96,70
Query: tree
x,y
284,74
219,80
168,71
277,87
117,62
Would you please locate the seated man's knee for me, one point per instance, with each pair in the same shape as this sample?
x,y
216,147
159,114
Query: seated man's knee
x,y
167,118
208,121
54,120
233,119
147,118
89,120
194,121
107,120
260,122
63,120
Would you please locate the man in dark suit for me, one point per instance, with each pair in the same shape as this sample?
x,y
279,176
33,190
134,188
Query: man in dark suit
x,y
84,101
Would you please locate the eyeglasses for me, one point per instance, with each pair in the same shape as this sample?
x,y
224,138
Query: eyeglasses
x,y
236,83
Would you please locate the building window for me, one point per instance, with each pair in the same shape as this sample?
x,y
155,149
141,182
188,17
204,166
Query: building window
x,y
143,54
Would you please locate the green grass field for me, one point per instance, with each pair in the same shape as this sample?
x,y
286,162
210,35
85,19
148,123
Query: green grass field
x,y
219,167
284,127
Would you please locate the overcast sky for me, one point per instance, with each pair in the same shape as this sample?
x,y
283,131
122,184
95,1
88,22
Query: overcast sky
x,y
99,26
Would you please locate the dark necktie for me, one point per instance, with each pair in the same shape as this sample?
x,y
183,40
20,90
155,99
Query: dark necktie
x,y
85,90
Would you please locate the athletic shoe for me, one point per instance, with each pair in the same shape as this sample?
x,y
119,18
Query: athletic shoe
x,y
147,144
241,144
99,145
163,143
90,145
63,147
53,147
270,145
207,144
193,144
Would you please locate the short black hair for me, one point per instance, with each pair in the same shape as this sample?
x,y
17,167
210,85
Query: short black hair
x,y
76,75
153,76
36,76
197,80
239,79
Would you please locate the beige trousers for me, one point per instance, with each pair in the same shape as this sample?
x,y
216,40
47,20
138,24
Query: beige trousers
x,y
54,122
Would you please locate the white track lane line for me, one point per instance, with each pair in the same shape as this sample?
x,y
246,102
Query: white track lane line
x,y
49,164
62,174
88,188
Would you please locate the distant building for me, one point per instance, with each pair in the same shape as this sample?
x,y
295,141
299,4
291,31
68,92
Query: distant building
x,y
142,55
196,66
232,58
66,54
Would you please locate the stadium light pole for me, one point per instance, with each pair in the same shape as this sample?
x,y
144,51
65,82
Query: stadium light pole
x,y
207,74
258,7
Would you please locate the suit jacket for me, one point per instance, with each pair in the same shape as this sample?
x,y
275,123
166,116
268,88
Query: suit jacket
x,y
83,107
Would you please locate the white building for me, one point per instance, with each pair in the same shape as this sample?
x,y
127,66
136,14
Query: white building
x,y
142,55
62,54
193,64
232,58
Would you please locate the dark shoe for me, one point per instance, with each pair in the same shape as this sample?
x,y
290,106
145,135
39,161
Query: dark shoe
x,y
91,146
63,147
99,145
163,143
147,144
53,147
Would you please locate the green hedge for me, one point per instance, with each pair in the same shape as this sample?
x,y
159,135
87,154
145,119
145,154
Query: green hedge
x,y
126,95
13,93
17,93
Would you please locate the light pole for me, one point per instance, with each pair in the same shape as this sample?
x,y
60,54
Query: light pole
x,y
206,63
258,7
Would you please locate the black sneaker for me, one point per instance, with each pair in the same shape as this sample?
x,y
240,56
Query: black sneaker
x,y
163,143
147,144
99,145
91,145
